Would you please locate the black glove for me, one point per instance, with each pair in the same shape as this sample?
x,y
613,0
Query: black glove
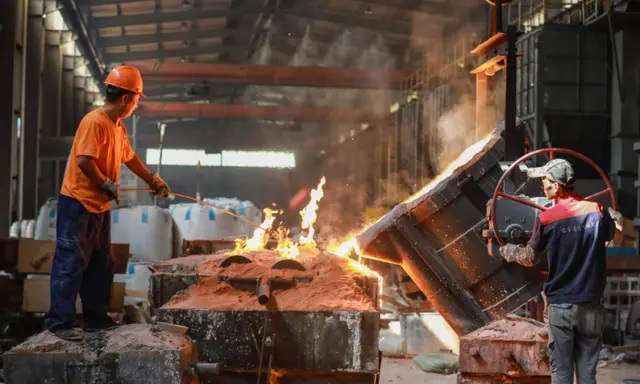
x,y
159,186
112,190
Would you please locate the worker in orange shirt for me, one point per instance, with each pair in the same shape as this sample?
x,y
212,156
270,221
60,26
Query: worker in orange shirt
x,y
82,262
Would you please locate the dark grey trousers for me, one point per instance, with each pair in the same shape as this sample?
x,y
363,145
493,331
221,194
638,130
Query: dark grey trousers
x,y
575,338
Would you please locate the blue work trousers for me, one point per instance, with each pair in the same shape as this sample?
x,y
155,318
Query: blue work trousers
x,y
82,264
575,339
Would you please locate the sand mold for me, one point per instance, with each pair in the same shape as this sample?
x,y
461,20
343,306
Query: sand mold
x,y
333,286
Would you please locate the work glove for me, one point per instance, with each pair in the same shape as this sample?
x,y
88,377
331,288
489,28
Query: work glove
x,y
617,218
112,190
159,186
508,252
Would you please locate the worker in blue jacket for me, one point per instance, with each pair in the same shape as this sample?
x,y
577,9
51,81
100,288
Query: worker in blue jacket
x,y
574,233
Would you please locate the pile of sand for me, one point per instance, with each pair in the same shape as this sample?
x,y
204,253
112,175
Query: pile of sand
x,y
333,287
126,338
511,329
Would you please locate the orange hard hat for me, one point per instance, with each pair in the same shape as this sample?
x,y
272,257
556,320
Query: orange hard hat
x,y
126,77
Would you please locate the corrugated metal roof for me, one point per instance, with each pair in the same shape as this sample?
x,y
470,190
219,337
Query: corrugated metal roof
x,y
235,31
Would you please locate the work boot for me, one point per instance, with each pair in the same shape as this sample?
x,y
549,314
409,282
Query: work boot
x,y
102,327
68,334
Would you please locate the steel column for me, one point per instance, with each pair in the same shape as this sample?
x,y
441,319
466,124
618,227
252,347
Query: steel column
x,y
11,19
51,108
625,118
79,97
514,133
32,111
68,125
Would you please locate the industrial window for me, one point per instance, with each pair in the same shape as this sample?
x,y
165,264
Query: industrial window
x,y
191,157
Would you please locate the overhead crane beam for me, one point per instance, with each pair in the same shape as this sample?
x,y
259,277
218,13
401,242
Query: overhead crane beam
x,y
160,109
328,77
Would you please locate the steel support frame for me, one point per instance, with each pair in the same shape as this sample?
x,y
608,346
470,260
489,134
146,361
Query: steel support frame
x,y
13,21
163,17
79,99
161,54
128,40
514,134
67,121
625,123
158,109
50,176
378,25
443,10
301,76
29,177
73,17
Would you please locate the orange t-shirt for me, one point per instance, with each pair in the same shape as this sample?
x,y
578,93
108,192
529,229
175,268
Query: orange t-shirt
x,y
99,137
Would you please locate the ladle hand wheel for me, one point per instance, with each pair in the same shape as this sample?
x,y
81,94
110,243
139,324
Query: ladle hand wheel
x,y
551,151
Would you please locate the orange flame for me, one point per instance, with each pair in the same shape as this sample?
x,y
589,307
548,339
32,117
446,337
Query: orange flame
x,y
286,247
260,235
310,215
345,249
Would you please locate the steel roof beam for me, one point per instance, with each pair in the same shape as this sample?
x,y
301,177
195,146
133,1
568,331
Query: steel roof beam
x,y
119,41
379,25
111,2
163,17
72,16
159,54
445,9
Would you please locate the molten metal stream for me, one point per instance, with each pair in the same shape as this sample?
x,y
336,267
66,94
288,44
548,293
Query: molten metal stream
x,y
257,226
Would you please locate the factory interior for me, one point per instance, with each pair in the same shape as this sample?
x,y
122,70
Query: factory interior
x,y
340,177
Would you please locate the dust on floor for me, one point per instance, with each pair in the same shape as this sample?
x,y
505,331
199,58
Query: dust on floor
x,y
405,371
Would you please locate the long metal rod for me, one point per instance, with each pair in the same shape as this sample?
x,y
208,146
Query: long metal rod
x,y
173,195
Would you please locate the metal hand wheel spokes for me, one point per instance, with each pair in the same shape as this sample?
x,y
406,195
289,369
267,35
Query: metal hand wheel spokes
x,y
551,151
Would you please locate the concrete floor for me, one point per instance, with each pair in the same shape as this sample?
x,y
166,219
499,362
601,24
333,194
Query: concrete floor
x,y
405,371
